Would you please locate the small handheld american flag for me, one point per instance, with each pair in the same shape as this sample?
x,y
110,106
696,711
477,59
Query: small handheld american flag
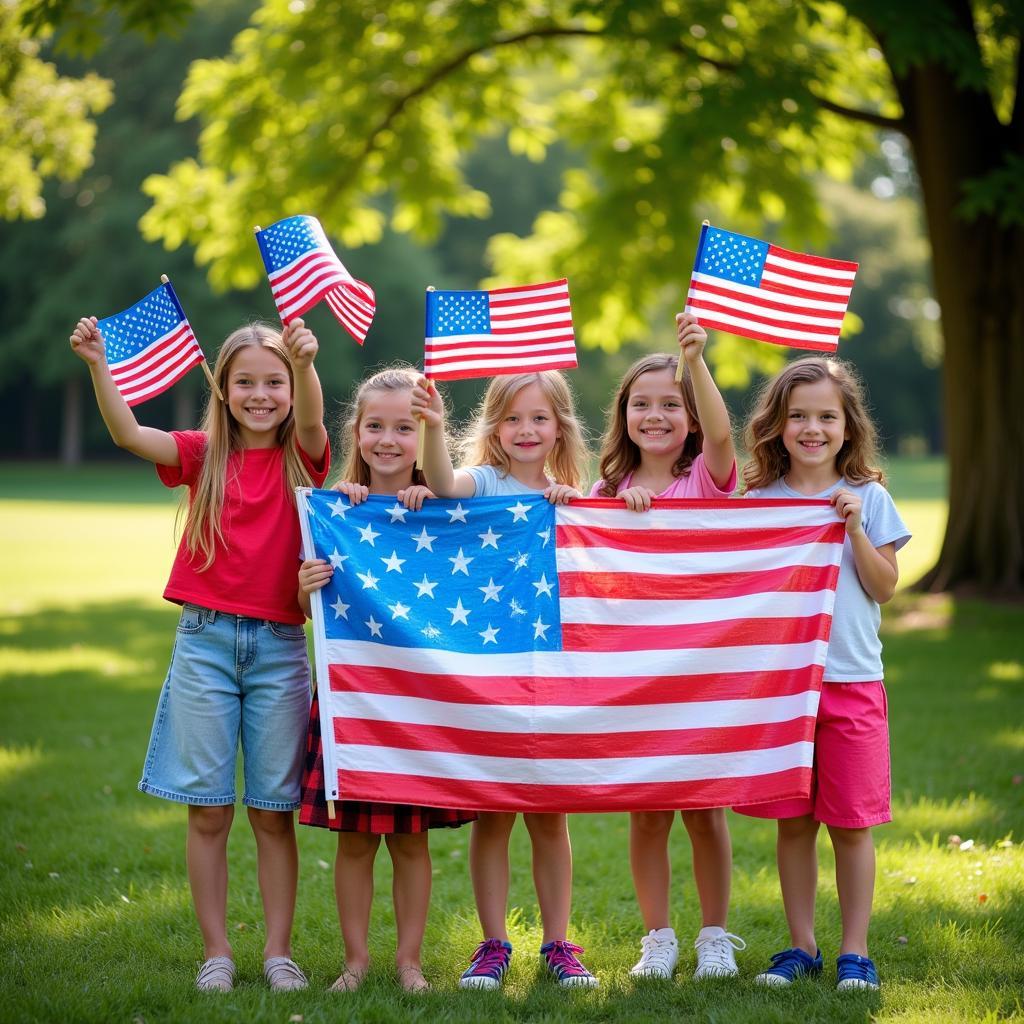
x,y
758,290
502,331
303,269
150,345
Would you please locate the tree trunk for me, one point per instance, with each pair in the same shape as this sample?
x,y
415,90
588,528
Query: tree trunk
x,y
979,283
71,423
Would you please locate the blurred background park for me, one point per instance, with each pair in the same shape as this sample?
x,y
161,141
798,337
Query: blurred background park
x,y
462,144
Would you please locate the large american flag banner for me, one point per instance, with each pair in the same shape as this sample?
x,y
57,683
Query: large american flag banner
x,y
505,654
150,345
303,269
758,290
501,331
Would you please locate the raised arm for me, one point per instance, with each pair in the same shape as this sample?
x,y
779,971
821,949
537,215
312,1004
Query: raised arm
x,y
719,453
148,443
308,400
441,476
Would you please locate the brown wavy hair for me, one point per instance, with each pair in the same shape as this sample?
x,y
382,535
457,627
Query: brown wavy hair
x,y
480,445
857,460
620,456
399,377
203,517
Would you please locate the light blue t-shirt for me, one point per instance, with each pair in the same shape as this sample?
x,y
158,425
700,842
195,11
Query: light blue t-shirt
x,y
491,482
854,647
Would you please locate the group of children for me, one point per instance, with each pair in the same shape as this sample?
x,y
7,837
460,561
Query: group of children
x,y
239,667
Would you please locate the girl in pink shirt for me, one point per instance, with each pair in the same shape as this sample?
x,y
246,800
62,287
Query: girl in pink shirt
x,y
672,439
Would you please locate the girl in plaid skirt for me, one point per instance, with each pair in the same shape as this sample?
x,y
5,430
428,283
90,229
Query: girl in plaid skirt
x,y
380,440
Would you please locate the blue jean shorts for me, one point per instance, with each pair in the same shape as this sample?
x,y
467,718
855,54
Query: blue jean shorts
x,y
231,678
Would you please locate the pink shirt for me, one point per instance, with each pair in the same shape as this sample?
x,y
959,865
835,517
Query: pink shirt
x,y
255,572
696,484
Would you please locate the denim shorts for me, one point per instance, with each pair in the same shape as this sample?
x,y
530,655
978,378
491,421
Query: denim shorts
x,y
231,677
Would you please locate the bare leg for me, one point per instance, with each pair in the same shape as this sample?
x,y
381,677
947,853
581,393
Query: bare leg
x,y
855,880
489,870
712,863
552,871
277,859
410,856
797,854
353,889
206,855
652,872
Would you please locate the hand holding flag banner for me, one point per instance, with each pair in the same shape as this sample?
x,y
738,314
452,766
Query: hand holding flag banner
x,y
757,290
150,345
497,332
506,654
303,269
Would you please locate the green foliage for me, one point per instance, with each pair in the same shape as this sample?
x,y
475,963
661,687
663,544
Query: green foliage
x,y
45,119
83,25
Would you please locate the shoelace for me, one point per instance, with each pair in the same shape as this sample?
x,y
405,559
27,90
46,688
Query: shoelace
x,y
562,958
489,958
715,948
859,970
656,952
787,963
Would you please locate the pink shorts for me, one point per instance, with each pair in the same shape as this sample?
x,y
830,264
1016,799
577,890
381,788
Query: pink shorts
x,y
851,786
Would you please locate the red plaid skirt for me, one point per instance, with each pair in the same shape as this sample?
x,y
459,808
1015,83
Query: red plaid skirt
x,y
360,815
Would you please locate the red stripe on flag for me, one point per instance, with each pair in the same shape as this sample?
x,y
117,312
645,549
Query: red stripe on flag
x,y
757,299
721,307
849,266
688,795
778,338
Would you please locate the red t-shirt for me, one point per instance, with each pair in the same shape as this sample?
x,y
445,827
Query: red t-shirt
x,y
255,573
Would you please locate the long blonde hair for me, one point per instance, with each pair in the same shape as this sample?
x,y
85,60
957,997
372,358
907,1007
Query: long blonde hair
x,y
399,377
620,455
480,445
203,528
858,458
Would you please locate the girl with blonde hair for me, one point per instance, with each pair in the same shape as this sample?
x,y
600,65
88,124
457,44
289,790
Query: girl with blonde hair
x,y
239,668
525,438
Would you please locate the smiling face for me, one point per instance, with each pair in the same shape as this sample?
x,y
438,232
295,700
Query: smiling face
x,y
259,395
815,428
656,418
386,437
529,429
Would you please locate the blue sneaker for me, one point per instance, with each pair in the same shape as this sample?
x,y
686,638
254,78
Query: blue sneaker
x,y
789,965
854,971
488,966
559,957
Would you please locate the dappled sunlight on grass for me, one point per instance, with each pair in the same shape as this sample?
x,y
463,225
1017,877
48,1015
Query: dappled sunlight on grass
x,y
1006,671
16,761
927,817
106,661
1010,739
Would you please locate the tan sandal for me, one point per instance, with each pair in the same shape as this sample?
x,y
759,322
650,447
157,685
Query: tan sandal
x,y
349,981
411,979
216,975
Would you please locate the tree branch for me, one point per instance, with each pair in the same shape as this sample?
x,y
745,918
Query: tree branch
x,y
896,124
442,72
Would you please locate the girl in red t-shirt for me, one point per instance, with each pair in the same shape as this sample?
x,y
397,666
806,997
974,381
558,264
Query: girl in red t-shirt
x,y
380,439
239,667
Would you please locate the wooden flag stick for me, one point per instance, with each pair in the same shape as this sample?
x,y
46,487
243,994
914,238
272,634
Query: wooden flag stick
x,y
204,364
679,366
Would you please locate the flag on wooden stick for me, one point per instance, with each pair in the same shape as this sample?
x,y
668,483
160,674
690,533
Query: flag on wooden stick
x,y
506,654
501,331
758,290
150,345
303,269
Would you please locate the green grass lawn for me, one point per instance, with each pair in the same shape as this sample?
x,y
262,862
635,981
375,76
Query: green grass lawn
x,y
96,922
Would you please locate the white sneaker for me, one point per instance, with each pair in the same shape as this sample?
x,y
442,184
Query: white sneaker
x,y
715,957
659,953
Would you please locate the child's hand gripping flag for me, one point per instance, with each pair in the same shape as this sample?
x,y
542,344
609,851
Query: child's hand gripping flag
x,y
497,332
758,290
150,345
303,269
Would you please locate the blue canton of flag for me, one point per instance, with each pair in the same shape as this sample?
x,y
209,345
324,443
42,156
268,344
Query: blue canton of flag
x,y
479,580
733,257
150,345
459,313
288,239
